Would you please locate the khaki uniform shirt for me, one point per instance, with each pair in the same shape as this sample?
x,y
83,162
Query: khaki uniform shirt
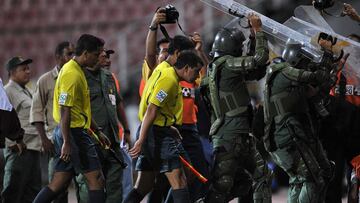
x,y
42,103
21,99
104,100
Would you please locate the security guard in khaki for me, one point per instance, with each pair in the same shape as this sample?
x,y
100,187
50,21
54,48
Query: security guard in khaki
x,y
104,100
22,172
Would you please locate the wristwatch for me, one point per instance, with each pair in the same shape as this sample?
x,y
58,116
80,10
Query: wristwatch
x,y
153,28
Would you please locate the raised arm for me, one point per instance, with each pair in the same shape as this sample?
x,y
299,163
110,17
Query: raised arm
x,y
318,77
196,38
246,64
151,38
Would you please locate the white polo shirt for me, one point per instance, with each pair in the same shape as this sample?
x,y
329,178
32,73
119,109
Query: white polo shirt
x,y
4,100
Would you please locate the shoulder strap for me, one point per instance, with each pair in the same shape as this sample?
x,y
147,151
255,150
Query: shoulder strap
x,y
271,72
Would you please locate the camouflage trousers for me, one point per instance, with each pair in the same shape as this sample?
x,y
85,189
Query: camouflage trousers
x,y
302,157
239,172
262,178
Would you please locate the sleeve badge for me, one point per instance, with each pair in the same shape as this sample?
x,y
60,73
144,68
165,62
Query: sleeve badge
x,y
62,98
161,95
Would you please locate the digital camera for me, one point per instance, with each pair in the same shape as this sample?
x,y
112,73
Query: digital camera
x,y
172,14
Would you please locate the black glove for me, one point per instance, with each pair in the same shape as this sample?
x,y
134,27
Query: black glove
x,y
321,76
325,80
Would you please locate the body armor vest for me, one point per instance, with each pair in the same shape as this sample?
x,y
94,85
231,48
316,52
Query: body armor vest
x,y
284,99
224,103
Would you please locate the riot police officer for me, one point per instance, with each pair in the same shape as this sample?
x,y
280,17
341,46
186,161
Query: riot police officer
x,y
289,132
230,108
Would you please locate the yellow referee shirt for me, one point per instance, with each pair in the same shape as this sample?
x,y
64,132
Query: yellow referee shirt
x,y
145,71
162,89
71,89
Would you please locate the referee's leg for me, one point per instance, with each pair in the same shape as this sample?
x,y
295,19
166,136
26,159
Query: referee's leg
x,y
178,184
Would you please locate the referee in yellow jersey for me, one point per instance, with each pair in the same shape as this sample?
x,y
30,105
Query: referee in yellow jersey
x,y
156,146
74,150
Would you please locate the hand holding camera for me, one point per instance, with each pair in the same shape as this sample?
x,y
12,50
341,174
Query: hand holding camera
x,y
172,15
158,18
166,15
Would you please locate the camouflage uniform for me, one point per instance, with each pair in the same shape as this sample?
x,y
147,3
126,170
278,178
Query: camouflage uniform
x,y
225,89
289,132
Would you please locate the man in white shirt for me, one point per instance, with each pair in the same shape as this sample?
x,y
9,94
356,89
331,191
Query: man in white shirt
x,y
9,121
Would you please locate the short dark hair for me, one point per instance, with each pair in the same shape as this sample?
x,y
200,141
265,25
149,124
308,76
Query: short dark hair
x,y
180,43
59,50
188,57
158,43
355,37
89,43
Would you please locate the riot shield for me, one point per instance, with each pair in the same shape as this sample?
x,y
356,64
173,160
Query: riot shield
x,y
351,68
277,33
311,15
305,30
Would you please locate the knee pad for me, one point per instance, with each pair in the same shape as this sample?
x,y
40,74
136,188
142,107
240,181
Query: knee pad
x,y
224,167
223,183
223,173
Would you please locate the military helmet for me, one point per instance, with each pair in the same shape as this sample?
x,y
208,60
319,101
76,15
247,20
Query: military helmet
x,y
228,41
292,52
